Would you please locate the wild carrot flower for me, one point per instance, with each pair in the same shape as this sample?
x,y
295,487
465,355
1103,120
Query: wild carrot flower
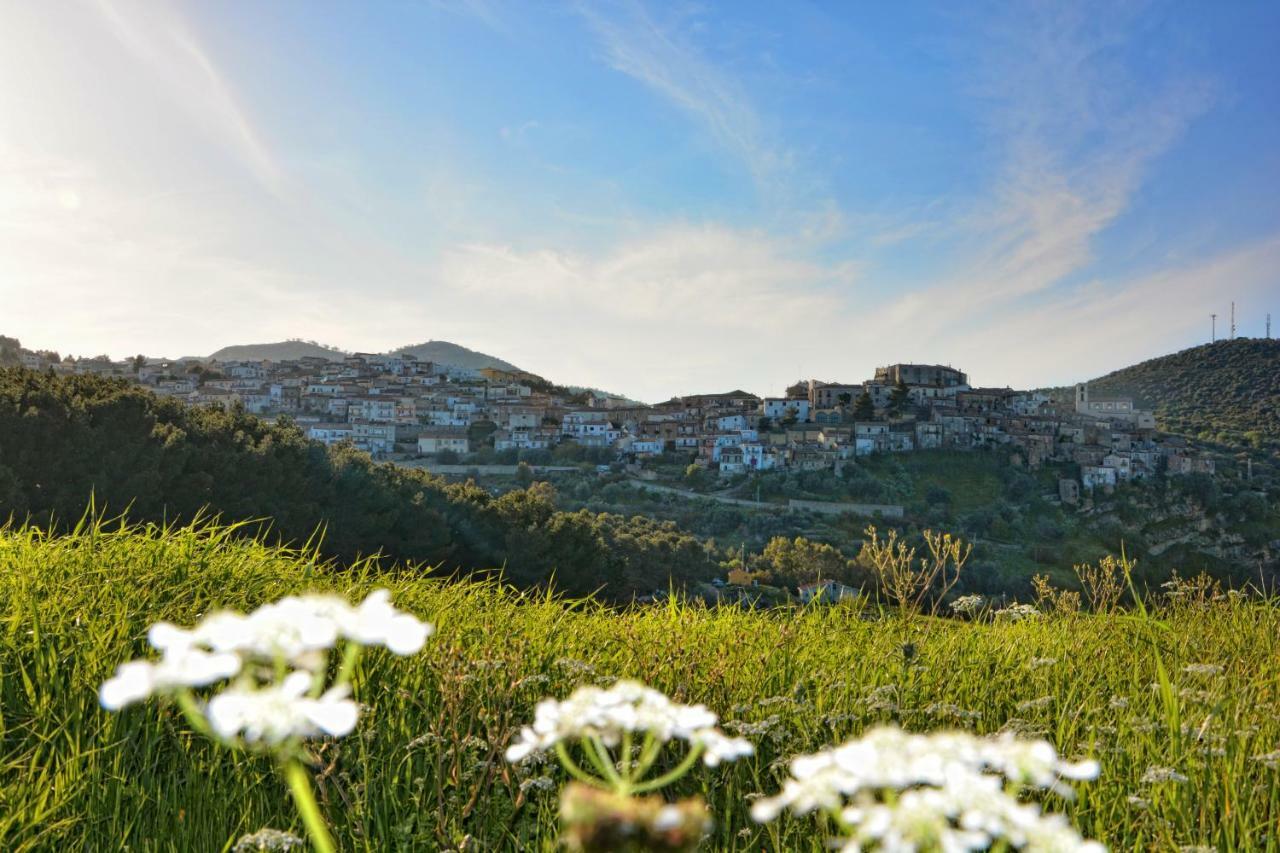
x,y
607,715
280,712
949,790
1202,669
966,604
279,656
604,807
1018,613
183,666
1156,774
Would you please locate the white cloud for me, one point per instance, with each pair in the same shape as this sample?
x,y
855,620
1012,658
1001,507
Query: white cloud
x,y
683,306
663,59
1078,138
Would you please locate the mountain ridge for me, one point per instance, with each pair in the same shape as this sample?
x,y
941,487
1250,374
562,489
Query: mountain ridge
x,y
441,352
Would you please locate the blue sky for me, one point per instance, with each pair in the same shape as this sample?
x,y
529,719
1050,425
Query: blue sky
x,y
652,198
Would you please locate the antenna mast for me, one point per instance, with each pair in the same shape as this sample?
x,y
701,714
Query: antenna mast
x,y
1213,328
1268,327
1233,321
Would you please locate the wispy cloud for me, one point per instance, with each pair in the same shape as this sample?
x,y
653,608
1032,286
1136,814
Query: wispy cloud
x,y
155,34
664,59
1077,136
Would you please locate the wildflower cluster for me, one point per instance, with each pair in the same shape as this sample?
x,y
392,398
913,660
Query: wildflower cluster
x,y
277,658
603,719
948,790
968,604
622,731
292,636
1017,613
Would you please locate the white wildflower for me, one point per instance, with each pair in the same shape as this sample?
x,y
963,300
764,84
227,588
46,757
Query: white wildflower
x,y
537,783
1037,663
268,839
1203,669
277,713
969,814
968,604
1035,704
1156,775
183,666
298,626
1018,613
940,791
888,758
594,712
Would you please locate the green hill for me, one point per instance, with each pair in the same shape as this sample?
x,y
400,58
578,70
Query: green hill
x,y
443,352
1227,392
290,350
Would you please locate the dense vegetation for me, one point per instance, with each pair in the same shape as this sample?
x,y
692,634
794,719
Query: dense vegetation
x,y
1191,763
65,439
1227,392
1225,525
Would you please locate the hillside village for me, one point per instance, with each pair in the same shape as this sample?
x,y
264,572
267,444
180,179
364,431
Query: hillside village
x,y
398,407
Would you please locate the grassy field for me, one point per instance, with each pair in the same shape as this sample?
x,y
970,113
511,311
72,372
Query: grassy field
x,y
424,769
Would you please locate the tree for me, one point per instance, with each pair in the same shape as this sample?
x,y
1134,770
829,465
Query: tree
x,y
67,438
481,433
10,352
139,361
799,389
792,562
864,409
697,477
900,398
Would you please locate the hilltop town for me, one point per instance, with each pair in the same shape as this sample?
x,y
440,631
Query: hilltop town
x,y
397,407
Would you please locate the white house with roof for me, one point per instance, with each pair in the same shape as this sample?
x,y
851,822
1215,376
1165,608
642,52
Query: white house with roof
x,y
777,408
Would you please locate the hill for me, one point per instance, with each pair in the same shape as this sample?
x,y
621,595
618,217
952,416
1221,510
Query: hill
x,y
443,352
290,350
1227,391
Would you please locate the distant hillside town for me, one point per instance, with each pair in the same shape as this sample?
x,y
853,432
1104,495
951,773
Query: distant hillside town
x,y
396,406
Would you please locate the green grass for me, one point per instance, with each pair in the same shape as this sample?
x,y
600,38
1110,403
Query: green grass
x,y
424,770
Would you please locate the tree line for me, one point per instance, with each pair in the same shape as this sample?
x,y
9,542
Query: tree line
x,y
65,439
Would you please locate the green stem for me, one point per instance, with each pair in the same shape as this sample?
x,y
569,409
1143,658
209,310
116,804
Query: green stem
x,y
667,778
603,761
350,657
574,770
625,751
191,710
300,787
649,753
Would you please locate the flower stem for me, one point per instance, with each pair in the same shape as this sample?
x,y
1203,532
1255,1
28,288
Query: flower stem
x,y
667,778
350,657
300,787
574,770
